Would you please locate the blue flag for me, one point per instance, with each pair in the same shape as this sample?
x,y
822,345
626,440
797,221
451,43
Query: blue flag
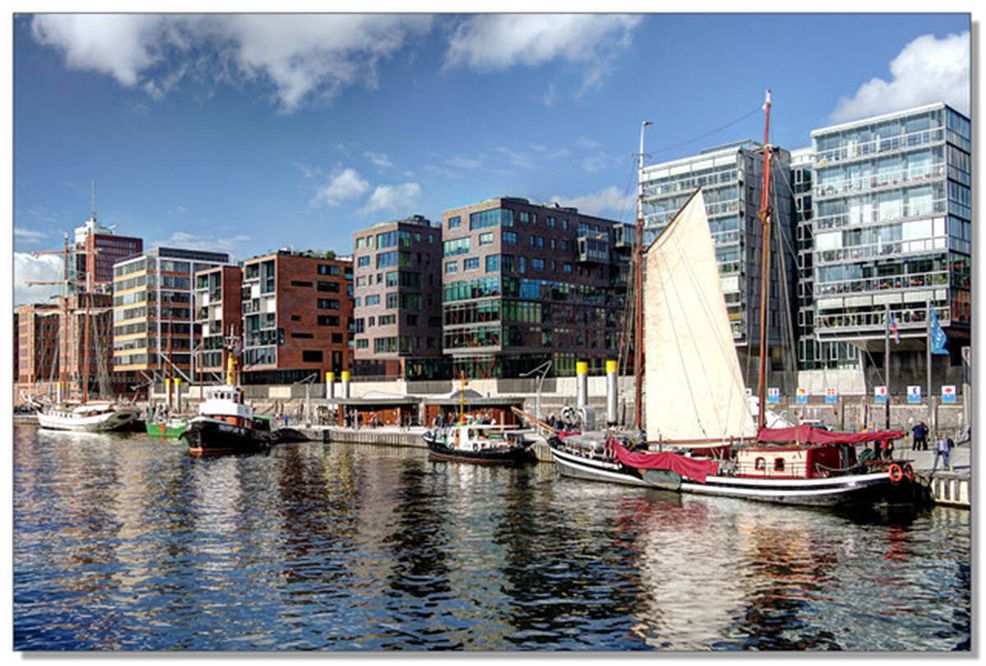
x,y
938,337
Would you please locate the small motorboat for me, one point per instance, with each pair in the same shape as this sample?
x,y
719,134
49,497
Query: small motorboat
x,y
480,444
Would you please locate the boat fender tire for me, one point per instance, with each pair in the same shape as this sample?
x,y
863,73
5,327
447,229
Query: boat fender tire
x,y
908,472
895,473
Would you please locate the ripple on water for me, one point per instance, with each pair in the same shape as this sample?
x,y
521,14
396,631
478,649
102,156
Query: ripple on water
x,y
121,543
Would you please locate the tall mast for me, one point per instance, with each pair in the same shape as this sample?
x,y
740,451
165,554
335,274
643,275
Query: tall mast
x,y
765,215
638,292
63,332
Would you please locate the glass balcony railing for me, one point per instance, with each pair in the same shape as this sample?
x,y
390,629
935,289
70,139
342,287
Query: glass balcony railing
x,y
872,214
865,149
913,318
883,283
861,252
888,180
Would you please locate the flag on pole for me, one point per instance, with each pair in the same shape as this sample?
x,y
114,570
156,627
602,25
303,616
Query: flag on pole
x,y
938,337
893,329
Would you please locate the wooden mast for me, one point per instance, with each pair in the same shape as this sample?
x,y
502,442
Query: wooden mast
x,y
765,220
638,295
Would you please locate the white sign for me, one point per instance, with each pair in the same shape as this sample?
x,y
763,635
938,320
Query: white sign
x,y
948,394
914,395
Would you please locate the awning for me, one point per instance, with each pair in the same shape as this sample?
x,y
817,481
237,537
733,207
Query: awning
x,y
805,434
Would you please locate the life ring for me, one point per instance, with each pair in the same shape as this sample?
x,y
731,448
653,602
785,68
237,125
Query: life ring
x,y
908,472
895,473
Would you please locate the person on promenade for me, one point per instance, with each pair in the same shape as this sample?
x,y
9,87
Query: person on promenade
x,y
920,433
943,450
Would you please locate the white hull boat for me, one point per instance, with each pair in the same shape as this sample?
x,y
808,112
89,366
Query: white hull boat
x,y
91,417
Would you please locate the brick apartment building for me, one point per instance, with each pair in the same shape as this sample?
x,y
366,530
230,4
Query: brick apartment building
x,y
524,284
297,317
397,304
218,314
105,248
37,347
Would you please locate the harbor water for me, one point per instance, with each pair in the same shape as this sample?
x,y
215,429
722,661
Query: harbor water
x,y
123,543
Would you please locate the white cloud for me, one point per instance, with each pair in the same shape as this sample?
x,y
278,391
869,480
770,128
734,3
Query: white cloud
x,y
343,184
378,159
300,56
29,236
46,268
609,200
491,42
459,162
927,70
399,198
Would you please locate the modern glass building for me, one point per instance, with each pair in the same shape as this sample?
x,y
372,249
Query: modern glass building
x,y
730,177
892,226
524,284
152,309
398,301
813,354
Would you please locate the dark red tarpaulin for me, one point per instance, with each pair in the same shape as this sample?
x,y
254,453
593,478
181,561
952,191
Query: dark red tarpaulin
x,y
693,468
805,434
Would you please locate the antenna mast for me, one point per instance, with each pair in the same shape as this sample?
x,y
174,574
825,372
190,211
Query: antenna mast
x,y
92,200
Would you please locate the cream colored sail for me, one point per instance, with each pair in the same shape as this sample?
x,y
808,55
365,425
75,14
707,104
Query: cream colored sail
x,y
694,387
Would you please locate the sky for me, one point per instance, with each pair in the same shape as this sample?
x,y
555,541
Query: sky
x,y
248,133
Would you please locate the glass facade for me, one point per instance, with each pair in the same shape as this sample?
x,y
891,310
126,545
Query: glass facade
x,y
892,224
506,312
730,178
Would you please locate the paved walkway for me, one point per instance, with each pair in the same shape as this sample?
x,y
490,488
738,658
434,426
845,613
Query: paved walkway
x,y
925,460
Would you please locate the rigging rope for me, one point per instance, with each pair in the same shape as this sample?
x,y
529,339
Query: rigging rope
x,y
758,109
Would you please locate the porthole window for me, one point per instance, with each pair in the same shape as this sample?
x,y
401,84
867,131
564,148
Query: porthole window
x,y
760,464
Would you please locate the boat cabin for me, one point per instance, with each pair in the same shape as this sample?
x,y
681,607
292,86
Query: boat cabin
x,y
225,403
479,437
794,461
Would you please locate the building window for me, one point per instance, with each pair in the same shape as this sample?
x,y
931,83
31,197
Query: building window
x,y
328,269
451,266
311,356
363,261
537,264
300,283
454,222
373,299
493,263
328,320
486,239
457,246
510,237
470,264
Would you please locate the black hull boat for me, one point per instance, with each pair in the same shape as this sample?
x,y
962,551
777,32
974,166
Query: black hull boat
x,y
477,449
594,458
214,437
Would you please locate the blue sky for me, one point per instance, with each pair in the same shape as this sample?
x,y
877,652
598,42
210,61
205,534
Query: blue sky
x,y
252,133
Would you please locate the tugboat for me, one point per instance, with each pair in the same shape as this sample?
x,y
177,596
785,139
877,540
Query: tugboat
x,y
480,444
226,424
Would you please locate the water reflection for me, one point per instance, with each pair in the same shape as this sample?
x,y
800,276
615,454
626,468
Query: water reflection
x,y
121,542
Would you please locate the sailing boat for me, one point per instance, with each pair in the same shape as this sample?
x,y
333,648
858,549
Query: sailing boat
x,y
696,399
86,416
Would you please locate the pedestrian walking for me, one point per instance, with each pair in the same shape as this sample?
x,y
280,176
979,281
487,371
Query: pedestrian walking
x,y
943,450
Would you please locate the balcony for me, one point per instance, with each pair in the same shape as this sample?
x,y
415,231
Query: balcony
x,y
864,150
593,248
880,182
882,283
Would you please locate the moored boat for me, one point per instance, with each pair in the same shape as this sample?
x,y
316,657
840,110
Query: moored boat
x,y
87,417
226,425
822,469
489,444
169,428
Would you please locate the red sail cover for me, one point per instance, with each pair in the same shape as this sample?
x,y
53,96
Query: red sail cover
x,y
805,434
693,468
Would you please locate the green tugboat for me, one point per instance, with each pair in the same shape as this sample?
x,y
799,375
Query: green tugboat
x,y
171,428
